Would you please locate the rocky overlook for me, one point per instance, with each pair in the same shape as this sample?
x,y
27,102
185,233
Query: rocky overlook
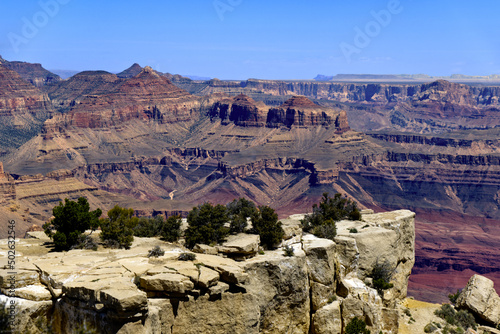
x,y
320,288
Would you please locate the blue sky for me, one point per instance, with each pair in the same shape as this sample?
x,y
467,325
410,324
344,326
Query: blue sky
x,y
240,39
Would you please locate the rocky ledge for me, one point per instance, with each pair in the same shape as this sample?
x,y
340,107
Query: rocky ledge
x,y
319,289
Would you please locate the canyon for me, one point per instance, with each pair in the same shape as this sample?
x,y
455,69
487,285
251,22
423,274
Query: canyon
x,y
161,144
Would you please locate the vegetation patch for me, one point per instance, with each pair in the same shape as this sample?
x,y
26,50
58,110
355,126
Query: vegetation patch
x,y
321,222
71,219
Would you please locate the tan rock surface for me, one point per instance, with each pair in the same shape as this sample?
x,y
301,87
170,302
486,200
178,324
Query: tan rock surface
x,y
233,313
328,320
480,297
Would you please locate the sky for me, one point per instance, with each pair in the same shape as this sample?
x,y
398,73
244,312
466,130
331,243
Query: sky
x,y
241,39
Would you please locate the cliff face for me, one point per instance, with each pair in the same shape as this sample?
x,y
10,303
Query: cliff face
x,y
319,289
18,96
23,109
32,73
297,111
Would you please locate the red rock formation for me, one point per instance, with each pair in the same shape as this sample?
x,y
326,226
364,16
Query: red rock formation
x,y
112,101
16,95
297,111
32,73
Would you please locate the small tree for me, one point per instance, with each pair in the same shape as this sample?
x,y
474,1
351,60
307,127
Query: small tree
x,y
206,225
356,326
149,227
322,220
117,229
266,225
381,275
171,229
71,219
238,211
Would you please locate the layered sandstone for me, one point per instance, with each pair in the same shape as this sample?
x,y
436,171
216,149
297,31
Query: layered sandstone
x,y
297,111
32,73
18,96
144,96
319,289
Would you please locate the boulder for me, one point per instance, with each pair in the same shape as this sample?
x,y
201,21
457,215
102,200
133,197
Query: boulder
x,y
229,270
480,297
171,283
36,292
205,249
328,320
203,277
241,244
124,301
20,279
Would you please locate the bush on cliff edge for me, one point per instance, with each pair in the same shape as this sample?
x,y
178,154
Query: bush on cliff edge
x,y
117,230
206,225
71,219
321,222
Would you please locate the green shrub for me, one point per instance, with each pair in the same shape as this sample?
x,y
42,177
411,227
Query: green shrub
x,y
4,319
381,275
356,326
454,296
117,231
430,327
171,229
238,212
71,219
288,250
149,227
327,213
463,319
187,257
353,230
206,225
326,230
331,299
85,242
157,251
266,225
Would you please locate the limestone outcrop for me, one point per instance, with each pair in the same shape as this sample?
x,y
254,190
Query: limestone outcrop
x,y
480,297
317,290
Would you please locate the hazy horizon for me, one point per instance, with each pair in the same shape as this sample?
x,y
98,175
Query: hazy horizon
x,y
238,39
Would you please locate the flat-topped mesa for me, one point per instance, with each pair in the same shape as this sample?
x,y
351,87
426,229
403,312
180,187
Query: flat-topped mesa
x,y
301,111
297,111
241,109
17,95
